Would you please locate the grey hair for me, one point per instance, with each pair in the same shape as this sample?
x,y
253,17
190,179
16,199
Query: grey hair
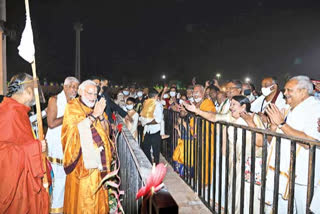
x,y
200,86
84,84
69,80
304,82
19,83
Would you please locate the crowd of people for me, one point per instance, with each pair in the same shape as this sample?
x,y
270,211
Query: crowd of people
x,y
81,149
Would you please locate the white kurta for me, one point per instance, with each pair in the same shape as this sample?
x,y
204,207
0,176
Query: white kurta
x,y
55,151
302,118
260,104
132,126
239,121
224,107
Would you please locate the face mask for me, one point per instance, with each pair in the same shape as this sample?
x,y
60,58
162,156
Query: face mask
x,y
165,96
139,93
129,107
172,93
87,103
191,99
163,102
198,99
181,102
247,92
126,93
266,91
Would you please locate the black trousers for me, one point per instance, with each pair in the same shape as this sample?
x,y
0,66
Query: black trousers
x,y
153,140
140,134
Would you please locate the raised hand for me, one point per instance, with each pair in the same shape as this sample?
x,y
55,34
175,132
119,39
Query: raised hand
x,y
207,84
191,107
43,145
248,118
275,115
99,107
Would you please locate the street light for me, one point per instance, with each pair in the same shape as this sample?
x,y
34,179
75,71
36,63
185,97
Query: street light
x,y
218,75
163,77
247,79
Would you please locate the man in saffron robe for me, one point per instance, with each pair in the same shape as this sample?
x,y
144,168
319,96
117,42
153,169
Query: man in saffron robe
x,y
87,152
21,186
207,105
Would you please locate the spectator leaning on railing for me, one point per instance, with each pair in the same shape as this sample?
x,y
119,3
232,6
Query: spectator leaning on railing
x,y
240,114
300,120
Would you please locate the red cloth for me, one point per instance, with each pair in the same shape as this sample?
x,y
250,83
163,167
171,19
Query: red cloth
x,y
21,170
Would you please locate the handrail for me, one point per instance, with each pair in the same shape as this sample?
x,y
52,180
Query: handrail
x,y
262,131
221,167
140,159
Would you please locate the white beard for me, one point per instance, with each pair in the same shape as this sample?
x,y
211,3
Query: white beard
x,y
87,102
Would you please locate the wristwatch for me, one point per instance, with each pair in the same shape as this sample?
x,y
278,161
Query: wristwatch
x,y
281,124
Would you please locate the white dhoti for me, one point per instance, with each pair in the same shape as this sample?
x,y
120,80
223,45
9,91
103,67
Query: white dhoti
x,y
58,185
55,156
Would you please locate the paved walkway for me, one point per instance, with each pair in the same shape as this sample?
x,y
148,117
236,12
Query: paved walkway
x,y
187,200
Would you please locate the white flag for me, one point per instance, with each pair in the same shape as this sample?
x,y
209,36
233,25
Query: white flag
x,y
26,47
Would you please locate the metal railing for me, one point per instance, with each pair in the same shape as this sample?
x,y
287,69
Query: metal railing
x,y
134,169
219,162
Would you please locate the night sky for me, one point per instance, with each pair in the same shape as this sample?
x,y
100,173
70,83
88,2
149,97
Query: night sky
x,y
139,40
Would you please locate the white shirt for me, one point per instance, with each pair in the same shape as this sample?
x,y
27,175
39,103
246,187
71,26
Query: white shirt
x,y
157,116
132,126
224,107
260,104
303,118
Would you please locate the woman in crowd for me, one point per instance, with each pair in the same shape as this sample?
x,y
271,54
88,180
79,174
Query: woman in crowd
x,y
184,138
239,114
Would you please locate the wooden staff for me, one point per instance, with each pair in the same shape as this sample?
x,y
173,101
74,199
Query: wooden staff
x,y
38,110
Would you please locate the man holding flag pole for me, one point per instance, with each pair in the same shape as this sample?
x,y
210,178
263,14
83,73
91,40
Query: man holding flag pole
x,y
24,183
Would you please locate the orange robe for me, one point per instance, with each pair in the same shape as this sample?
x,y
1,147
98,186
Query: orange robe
x,y
81,183
206,105
21,170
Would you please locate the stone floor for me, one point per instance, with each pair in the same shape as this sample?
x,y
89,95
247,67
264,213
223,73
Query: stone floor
x,y
187,200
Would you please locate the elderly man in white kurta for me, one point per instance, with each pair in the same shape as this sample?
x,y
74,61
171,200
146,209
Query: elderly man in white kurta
x,y
56,107
270,94
300,120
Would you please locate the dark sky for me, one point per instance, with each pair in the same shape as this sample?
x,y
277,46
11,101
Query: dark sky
x,y
134,40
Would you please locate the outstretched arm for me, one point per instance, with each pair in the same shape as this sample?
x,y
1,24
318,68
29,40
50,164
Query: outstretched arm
x,y
211,116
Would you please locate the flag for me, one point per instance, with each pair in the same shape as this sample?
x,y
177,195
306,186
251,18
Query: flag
x,y
26,47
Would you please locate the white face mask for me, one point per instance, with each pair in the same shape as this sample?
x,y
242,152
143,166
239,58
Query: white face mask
x,y
87,102
165,96
139,93
266,91
172,93
181,102
126,93
198,99
129,107
191,99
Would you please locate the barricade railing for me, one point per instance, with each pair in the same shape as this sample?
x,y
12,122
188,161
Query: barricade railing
x,y
134,168
223,163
